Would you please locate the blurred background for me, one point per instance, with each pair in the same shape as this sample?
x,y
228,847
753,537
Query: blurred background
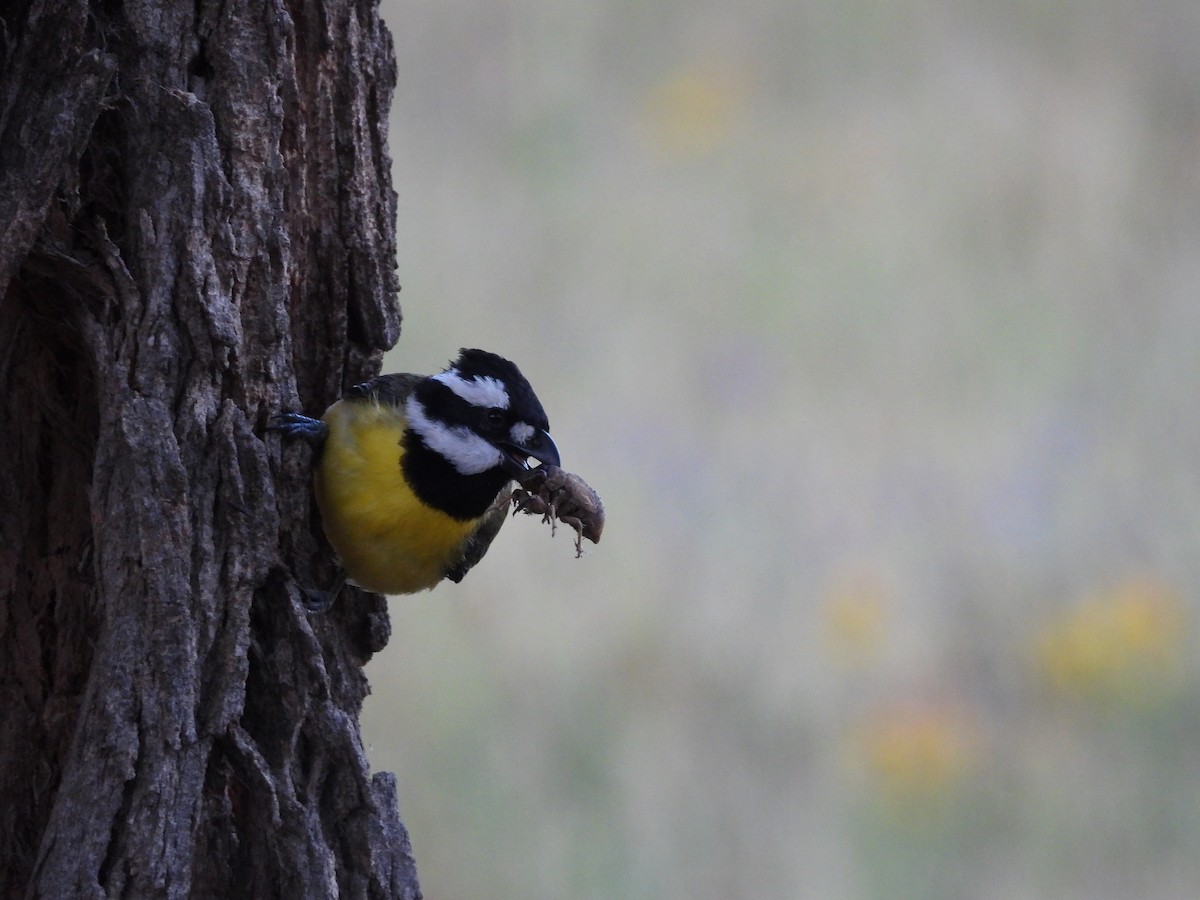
x,y
875,325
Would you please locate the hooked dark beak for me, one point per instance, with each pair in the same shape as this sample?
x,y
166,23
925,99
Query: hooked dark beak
x,y
541,447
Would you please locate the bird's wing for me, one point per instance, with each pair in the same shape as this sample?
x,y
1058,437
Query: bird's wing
x,y
390,389
481,538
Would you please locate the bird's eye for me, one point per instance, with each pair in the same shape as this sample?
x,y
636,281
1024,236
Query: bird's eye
x,y
495,418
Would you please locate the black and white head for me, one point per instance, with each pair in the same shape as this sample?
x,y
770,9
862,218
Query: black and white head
x,y
479,420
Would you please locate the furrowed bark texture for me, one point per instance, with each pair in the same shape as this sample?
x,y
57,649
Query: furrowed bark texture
x,y
196,231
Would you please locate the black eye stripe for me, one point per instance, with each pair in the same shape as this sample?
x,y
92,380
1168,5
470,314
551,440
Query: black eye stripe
x,y
443,404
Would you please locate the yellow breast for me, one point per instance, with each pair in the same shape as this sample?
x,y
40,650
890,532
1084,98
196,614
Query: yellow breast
x,y
388,540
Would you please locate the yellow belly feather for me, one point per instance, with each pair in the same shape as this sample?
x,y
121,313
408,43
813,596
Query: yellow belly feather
x,y
387,539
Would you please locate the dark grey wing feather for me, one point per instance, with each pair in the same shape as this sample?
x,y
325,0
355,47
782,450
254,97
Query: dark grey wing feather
x,y
481,538
390,389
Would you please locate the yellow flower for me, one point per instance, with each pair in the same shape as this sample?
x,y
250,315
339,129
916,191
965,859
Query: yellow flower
x,y
1125,645
918,752
691,112
854,618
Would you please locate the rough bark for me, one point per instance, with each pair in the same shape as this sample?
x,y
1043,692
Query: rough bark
x,y
196,231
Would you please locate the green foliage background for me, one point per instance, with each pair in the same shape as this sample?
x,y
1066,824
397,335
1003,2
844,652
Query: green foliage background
x,y
875,325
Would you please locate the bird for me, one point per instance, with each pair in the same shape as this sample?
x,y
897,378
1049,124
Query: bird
x,y
411,473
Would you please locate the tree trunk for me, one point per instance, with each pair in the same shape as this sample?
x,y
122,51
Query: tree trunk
x,y
196,231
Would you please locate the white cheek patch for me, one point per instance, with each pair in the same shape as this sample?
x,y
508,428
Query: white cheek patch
x,y
464,449
485,391
521,433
